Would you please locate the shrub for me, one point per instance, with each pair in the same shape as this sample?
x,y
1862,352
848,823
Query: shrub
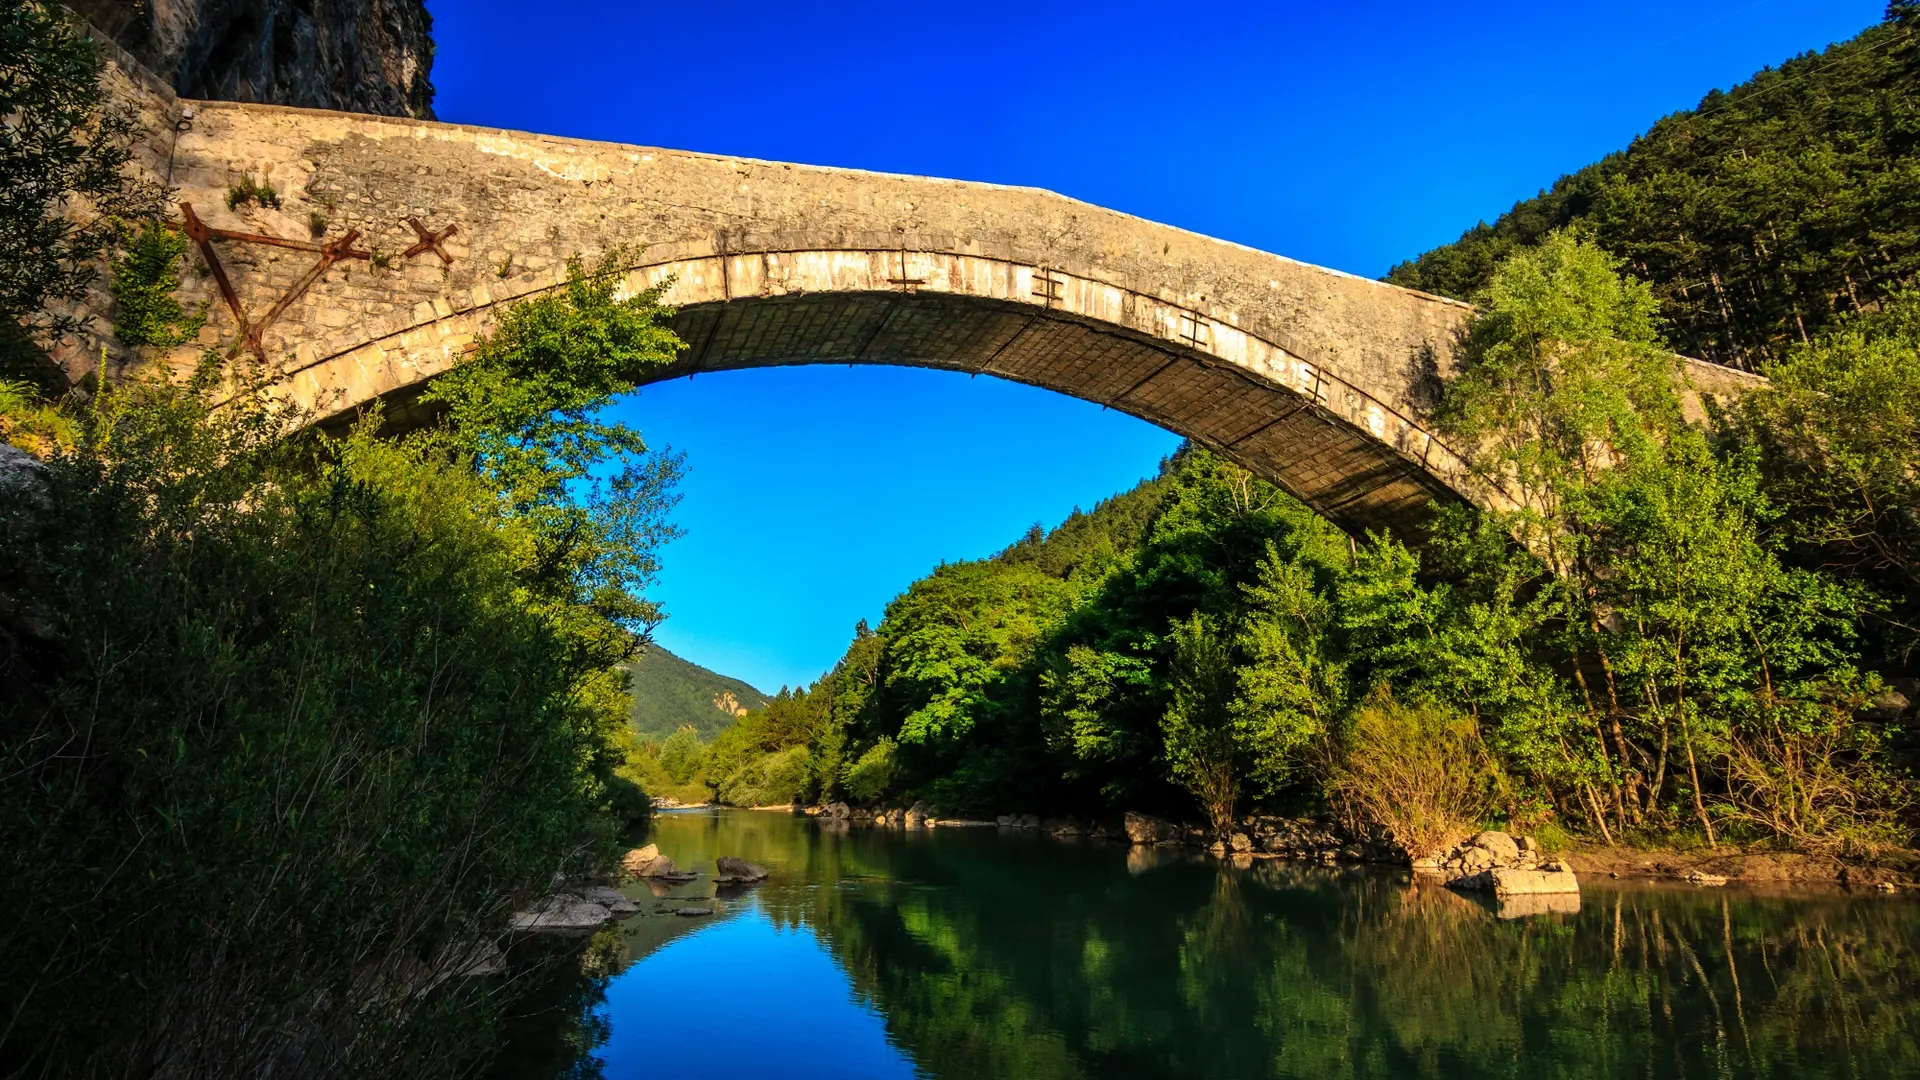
x,y
326,737
1816,779
1417,768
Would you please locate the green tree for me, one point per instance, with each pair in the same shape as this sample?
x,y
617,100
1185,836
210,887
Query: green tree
x,y
1667,590
681,755
1838,432
64,148
1202,752
1291,683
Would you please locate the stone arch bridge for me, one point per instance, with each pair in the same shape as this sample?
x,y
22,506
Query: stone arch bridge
x,y
395,243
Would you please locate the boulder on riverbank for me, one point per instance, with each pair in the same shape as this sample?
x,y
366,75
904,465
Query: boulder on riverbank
x,y
738,871
1146,829
1505,865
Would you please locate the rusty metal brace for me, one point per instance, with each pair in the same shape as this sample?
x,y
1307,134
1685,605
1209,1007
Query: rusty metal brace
x,y
251,332
429,241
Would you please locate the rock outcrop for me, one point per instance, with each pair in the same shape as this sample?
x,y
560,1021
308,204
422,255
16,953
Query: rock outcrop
x,y
367,56
1269,836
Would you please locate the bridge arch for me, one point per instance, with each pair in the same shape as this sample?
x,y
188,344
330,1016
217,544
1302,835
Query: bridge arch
x,y
1356,458
395,243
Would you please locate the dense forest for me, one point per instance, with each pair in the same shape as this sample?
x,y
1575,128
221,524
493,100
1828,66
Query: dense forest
x,y
1760,216
1693,634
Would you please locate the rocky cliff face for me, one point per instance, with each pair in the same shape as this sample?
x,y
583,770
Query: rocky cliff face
x,y
368,56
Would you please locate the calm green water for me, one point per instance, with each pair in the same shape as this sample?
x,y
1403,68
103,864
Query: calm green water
x,y
970,953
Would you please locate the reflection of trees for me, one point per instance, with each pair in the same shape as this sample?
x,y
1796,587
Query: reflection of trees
x,y
1059,967
996,956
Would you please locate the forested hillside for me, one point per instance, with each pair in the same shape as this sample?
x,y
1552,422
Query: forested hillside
x,y
1759,216
670,693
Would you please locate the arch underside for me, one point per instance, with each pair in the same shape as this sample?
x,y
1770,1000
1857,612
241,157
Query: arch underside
x,y
1352,478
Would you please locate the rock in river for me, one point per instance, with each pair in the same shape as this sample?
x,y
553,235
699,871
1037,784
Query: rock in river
x,y
738,871
647,862
611,899
1515,881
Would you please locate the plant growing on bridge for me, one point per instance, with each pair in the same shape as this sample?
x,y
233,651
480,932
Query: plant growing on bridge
x,y
248,191
143,282
526,410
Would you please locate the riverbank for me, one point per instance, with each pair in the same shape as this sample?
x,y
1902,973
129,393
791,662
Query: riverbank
x,y
1260,836
1896,870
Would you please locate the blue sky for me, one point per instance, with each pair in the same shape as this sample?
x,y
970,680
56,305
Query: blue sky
x,y
1350,135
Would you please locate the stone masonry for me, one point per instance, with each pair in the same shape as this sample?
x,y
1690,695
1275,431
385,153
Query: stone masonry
x,y
1314,379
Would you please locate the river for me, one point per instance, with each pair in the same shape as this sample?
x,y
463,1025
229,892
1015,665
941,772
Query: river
x,y
970,953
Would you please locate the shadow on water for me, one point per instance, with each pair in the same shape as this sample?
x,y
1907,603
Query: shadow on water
x,y
988,955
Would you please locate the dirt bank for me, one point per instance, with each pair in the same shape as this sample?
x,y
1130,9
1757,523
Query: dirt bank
x,y
1899,868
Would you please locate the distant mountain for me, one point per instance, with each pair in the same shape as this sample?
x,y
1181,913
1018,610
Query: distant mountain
x,y
669,693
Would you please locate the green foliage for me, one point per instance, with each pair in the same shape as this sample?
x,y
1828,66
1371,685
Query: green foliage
x,y
1838,430
326,735
681,755
872,777
524,408
1759,216
345,703
1200,743
62,144
1291,681
143,282
28,422
247,191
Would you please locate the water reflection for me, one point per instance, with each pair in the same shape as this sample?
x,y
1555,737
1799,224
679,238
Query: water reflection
x,y
966,953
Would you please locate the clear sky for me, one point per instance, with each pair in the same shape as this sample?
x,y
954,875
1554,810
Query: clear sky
x,y
1354,135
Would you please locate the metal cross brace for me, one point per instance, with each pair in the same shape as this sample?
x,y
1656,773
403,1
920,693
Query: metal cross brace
x,y
429,241
251,332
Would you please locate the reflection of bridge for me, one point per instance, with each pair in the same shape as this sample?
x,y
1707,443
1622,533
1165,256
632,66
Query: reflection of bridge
x,y
396,240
